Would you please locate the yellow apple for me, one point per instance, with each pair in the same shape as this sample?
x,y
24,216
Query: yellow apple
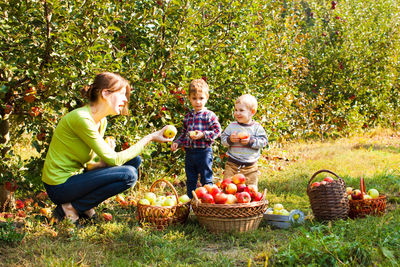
x,y
144,201
170,131
373,193
184,199
150,196
278,206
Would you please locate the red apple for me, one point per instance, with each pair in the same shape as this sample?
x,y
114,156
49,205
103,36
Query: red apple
x,y
214,191
243,135
356,194
257,196
323,183
243,197
225,182
208,187
315,184
251,189
238,178
221,198
328,179
231,188
200,192
231,199
207,198
240,187
107,216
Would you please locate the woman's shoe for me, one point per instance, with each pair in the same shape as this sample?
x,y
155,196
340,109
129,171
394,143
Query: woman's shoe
x,y
58,213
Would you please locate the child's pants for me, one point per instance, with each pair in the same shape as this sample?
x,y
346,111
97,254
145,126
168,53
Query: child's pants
x,y
251,172
198,161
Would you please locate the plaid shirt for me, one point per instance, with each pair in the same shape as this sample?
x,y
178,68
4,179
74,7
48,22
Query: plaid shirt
x,y
205,121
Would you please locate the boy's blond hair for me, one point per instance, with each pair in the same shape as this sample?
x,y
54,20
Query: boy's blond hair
x,y
198,86
249,101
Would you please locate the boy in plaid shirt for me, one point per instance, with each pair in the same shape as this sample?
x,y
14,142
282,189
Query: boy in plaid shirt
x,y
200,129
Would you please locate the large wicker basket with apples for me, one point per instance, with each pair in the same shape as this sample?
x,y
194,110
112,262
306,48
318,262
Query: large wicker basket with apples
x,y
328,198
364,203
229,206
160,212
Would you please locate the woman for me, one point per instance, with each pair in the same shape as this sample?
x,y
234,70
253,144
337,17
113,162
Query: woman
x,y
78,138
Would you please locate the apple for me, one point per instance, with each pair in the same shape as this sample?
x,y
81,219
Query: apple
x,y
257,196
349,190
150,196
225,182
251,189
373,193
349,197
278,206
366,196
238,178
208,187
243,135
315,184
207,198
218,184
284,212
231,199
193,133
119,198
323,182
356,194
221,198
169,202
200,192
328,179
19,204
144,201
231,188
170,132
161,199
240,187
107,216
214,190
184,199
243,197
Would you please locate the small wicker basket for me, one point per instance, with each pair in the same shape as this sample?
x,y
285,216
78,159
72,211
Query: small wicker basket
x,y
362,207
161,217
241,217
329,201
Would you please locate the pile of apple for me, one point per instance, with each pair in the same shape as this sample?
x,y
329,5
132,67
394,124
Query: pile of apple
x,y
150,198
279,210
229,191
326,180
356,194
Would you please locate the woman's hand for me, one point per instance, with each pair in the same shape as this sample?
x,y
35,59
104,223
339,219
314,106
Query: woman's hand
x,y
159,136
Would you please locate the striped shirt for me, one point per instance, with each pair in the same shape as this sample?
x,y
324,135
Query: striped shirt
x,y
205,121
245,154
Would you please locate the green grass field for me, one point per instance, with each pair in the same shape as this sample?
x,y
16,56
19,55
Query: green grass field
x,y
286,170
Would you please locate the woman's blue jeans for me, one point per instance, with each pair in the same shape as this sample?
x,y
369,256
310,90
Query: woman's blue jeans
x,y
87,190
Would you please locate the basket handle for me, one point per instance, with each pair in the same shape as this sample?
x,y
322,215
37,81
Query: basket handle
x,y
169,184
362,187
320,171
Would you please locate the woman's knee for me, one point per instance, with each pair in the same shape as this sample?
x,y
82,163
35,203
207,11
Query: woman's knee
x,y
131,175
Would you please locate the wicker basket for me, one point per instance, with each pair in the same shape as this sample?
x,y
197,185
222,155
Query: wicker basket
x,y
241,217
329,201
161,217
362,207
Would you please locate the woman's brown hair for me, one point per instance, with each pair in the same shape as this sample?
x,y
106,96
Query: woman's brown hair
x,y
109,81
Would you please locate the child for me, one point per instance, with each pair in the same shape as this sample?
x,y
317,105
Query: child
x,y
200,129
244,138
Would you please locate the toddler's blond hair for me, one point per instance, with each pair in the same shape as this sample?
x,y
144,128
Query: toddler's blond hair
x,y
198,86
249,101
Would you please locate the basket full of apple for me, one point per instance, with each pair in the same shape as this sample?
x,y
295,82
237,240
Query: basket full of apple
x,y
229,205
328,198
160,211
364,202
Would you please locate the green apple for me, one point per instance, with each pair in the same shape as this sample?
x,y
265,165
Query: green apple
x,y
278,206
161,199
144,201
296,216
170,131
373,193
169,202
150,196
158,203
184,199
366,196
285,212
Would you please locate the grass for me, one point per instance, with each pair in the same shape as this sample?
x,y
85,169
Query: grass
x,y
286,171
